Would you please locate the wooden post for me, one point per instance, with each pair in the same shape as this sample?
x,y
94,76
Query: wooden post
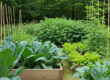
x,y
14,17
11,19
7,19
108,29
98,15
90,15
1,22
103,15
4,20
92,12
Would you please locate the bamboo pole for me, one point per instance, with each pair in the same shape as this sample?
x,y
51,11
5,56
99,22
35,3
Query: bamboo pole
x,y
103,15
11,19
1,23
87,14
14,17
90,15
98,15
19,20
108,29
92,12
7,19
4,20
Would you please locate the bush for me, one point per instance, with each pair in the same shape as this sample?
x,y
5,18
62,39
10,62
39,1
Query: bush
x,y
59,30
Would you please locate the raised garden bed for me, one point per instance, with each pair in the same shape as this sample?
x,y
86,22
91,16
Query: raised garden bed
x,y
41,74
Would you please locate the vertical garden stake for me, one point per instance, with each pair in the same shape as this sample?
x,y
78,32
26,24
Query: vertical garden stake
x,y
1,22
108,29
98,15
11,19
7,19
4,20
14,17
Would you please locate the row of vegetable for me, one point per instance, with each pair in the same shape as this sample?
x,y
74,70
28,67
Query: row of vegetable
x,y
36,55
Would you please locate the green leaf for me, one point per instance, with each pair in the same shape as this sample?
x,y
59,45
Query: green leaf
x,y
44,66
4,78
7,56
76,75
19,71
3,69
16,78
26,53
37,67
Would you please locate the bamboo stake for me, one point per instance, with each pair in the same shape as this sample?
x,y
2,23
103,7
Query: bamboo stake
x,y
4,20
90,15
7,19
87,14
98,14
21,19
103,15
11,19
14,17
108,30
1,23
92,12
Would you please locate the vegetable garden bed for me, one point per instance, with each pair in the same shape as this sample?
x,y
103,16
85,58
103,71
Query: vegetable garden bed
x,y
41,74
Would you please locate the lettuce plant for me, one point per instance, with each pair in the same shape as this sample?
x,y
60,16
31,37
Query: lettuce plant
x,y
94,72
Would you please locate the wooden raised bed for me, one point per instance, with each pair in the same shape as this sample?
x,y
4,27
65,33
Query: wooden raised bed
x,y
41,74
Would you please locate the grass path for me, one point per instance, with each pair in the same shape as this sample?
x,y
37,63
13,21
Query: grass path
x,y
67,72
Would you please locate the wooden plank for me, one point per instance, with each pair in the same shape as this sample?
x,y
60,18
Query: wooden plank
x,y
41,74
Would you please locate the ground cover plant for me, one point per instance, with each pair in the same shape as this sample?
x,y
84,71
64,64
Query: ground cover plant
x,y
59,30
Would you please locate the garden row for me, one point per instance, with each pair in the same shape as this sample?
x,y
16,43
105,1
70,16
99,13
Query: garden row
x,y
35,47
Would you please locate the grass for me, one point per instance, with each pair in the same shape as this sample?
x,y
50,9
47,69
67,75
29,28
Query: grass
x,y
67,72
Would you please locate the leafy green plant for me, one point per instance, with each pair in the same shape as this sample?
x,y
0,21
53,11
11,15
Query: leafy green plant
x,y
7,63
94,72
36,54
79,55
59,30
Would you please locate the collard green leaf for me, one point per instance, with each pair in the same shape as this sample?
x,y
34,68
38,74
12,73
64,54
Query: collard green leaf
x,y
4,78
3,69
37,67
26,53
16,78
76,75
7,56
19,71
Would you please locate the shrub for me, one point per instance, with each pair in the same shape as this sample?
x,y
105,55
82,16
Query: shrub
x,y
59,30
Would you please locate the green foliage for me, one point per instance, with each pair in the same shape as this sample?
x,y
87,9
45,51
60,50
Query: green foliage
x,y
94,72
21,35
77,53
8,62
34,55
59,30
74,9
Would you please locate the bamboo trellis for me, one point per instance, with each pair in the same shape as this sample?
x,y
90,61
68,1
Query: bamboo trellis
x,y
7,14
